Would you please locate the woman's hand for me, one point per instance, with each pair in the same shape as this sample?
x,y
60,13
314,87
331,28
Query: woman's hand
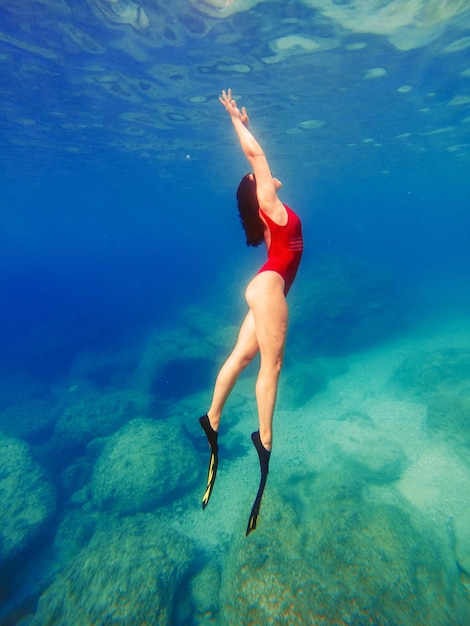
x,y
232,109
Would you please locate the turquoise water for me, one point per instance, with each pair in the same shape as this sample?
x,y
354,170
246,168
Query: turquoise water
x,y
122,272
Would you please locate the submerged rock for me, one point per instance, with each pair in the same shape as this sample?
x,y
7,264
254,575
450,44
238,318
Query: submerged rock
x,y
449,413
144,465
179,361
434,483
301,385
73,534
432,372
98,415
324,556
462,539
129,574
31,419
204,592
368,453
28,498
441,379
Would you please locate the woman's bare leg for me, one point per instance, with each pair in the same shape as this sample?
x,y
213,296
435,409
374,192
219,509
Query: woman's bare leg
x,y
245,350
265,297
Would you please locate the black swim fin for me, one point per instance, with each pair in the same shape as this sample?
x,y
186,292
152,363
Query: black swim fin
x,y
264,456
211,435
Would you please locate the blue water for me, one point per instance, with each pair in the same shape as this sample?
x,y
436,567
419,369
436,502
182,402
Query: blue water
x,y
122,270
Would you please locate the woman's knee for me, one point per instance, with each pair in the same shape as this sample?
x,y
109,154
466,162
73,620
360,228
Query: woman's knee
x,y
240,359
245,360
272,366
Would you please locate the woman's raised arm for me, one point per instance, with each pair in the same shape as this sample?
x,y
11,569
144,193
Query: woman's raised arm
x,y
266,187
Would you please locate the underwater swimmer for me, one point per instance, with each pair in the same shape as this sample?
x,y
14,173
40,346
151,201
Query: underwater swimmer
x,y
265,219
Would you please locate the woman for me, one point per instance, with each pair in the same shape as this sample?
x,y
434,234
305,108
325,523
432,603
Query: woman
x,y
264,218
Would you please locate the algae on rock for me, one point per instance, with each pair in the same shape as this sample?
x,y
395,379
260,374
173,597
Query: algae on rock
x,y
324,556
144,465
28,498
129,573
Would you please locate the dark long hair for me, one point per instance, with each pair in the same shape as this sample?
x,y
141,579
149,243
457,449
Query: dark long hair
x,y
248,210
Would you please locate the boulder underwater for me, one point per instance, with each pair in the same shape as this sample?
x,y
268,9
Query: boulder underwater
x,y
325,556
27,495
144,465
129,573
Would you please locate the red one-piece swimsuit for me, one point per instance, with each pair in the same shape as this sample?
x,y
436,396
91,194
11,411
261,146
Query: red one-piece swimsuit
x,y
285,250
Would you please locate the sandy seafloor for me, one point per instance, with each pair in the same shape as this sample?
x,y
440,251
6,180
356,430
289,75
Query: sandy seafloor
x,y
365,519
